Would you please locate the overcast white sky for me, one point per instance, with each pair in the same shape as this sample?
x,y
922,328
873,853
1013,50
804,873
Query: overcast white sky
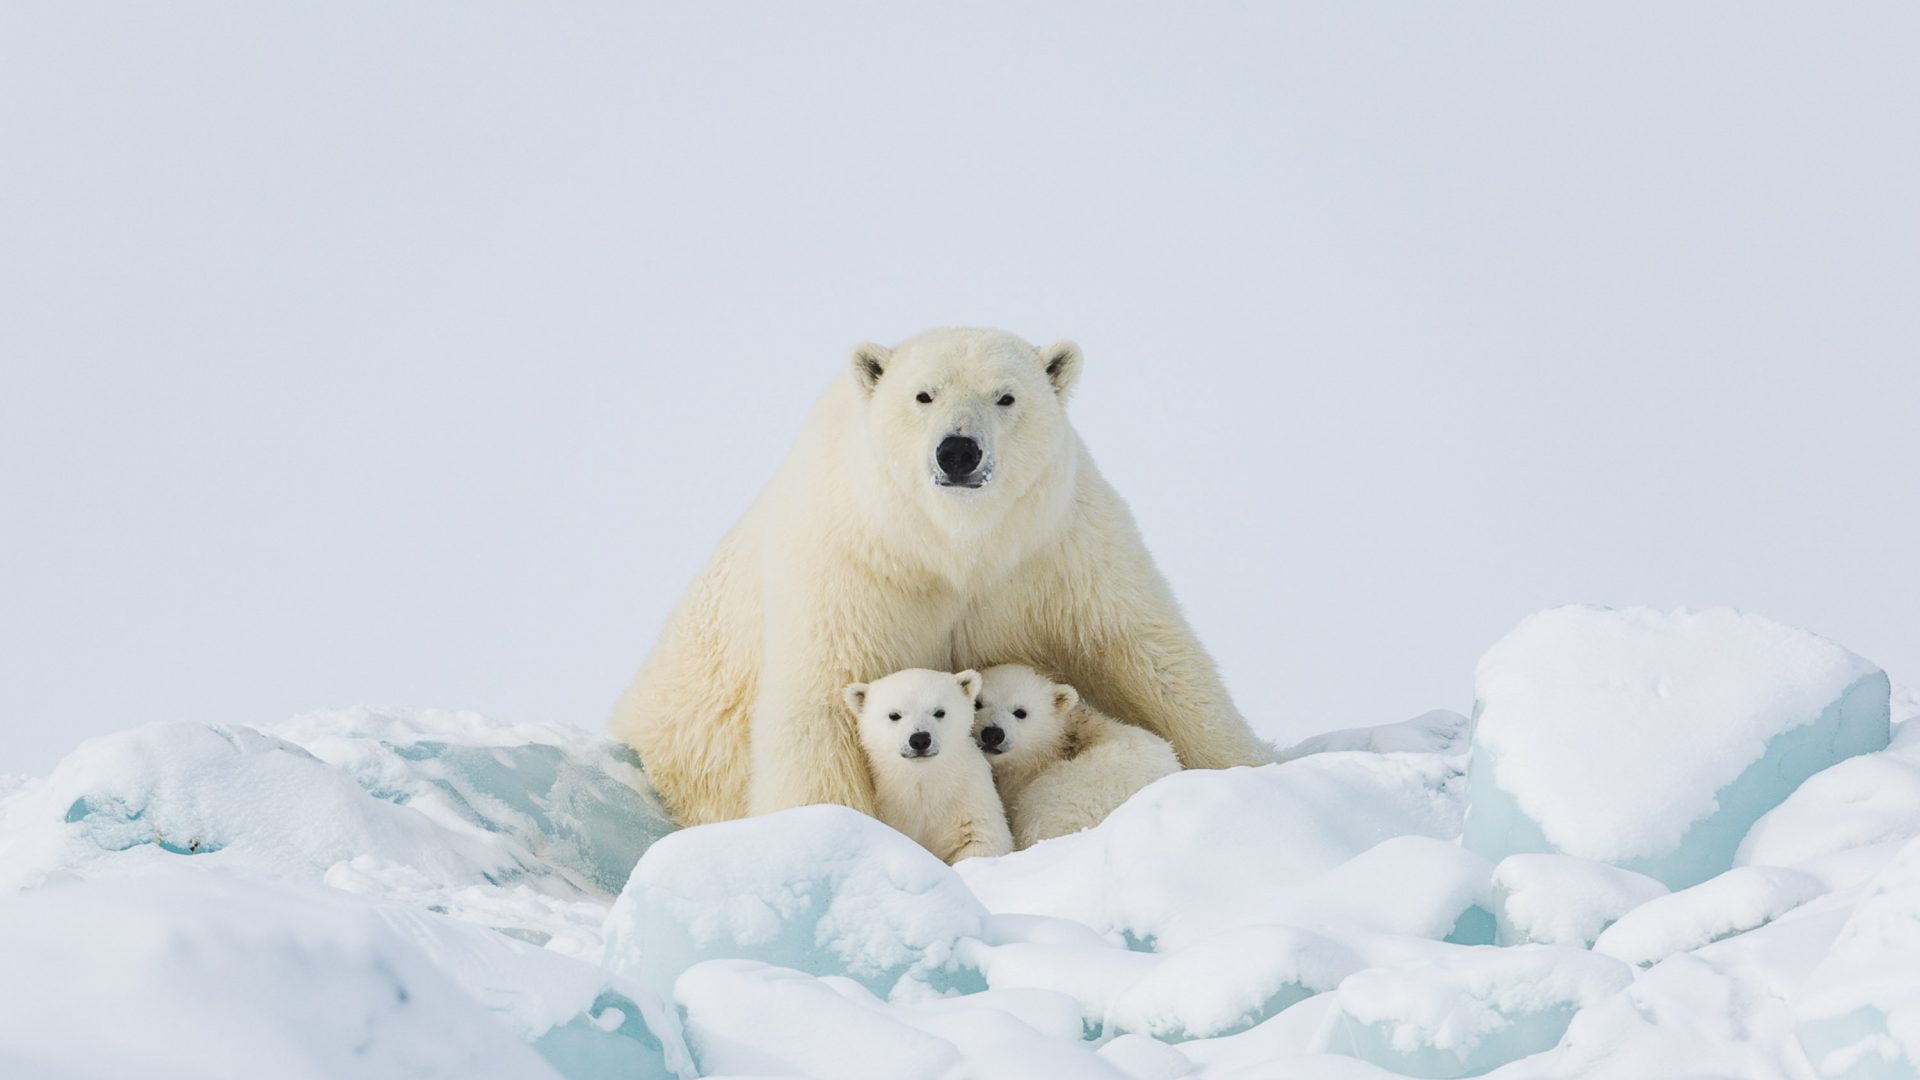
x,y
419,353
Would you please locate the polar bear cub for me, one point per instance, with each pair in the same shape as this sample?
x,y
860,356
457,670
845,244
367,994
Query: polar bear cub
x,y
1060,764
930,781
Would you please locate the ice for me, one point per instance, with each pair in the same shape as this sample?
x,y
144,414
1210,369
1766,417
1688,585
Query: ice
x,y
576,799
178,971
1475,1009
820,889
1561,900
1653,741
1739,900
1250,834
445,811
1859,1014
1861,802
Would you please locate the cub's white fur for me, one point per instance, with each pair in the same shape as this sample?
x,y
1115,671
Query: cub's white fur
x,y
1061,765
929,780
859,558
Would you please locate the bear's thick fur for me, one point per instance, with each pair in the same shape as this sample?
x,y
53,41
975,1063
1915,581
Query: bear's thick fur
x,y
1060,764
929,779
938,512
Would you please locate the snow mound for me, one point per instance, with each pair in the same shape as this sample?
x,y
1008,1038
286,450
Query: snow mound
x,y
503,824
1441,731
1859,1016
1465,1014
1251,834
1735,902
1654,740
1561,900
820,889
178,972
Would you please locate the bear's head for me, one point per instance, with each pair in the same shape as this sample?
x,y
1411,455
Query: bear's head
x,y
1020,717
964,420
914,713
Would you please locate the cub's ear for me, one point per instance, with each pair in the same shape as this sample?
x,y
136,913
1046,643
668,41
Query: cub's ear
x,y
857,697
969,684
869,363
1064,698
1062,362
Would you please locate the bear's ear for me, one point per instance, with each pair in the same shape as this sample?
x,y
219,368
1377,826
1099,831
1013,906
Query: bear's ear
x,y
857,697
1064,698
1062,363
969,683
869,363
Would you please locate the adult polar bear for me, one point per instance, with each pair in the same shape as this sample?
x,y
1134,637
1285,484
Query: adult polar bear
x,y
937,512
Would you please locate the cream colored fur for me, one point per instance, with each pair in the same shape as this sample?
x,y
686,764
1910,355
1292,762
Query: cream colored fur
x,y
1061,765
853,563
943,795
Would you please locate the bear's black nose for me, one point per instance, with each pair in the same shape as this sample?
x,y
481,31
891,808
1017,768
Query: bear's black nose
x,y
957,456
920,740
992,736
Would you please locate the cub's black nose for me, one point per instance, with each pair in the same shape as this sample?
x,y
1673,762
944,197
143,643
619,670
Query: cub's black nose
x,y
957,456
920,740
992,736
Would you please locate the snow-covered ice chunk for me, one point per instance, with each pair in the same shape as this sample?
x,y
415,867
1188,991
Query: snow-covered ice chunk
x,y
238,798
1204,851
1469,1012
1561,900
1654,740
1863,801
1735,902
576,799
820,889
744,1017
1859,1014
1441,731
1681,1020
1229,983
172,971
1142,1058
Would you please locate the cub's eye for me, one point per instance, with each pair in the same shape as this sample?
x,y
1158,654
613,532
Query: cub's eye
x,y
1006,400
923,398
893,716
1019,714
977,706
939,714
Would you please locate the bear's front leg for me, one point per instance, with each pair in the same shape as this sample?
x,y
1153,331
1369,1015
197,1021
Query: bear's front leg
x,y
804,743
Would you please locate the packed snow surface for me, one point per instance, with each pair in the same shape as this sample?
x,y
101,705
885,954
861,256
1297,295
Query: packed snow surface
x,y
414,893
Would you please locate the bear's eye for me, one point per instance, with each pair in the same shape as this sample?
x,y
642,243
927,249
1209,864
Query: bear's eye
x,y
923,398
939,714
1019,714
893,716
1006,400
977,706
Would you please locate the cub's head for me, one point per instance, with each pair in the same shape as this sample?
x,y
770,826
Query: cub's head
x,y
1020,716
958,416
914,713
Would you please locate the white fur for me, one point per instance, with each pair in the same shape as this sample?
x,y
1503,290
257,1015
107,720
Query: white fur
x,y
853,563
1061,765
941,795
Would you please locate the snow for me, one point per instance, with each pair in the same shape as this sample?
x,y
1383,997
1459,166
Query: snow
x,y
1653,740
822,889
1561,900
1744,898
337,893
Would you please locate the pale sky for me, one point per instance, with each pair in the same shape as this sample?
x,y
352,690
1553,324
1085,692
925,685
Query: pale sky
x,y
377,353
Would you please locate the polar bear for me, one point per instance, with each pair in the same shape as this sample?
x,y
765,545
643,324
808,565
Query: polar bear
x,y
929,780
937,511
1061,765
